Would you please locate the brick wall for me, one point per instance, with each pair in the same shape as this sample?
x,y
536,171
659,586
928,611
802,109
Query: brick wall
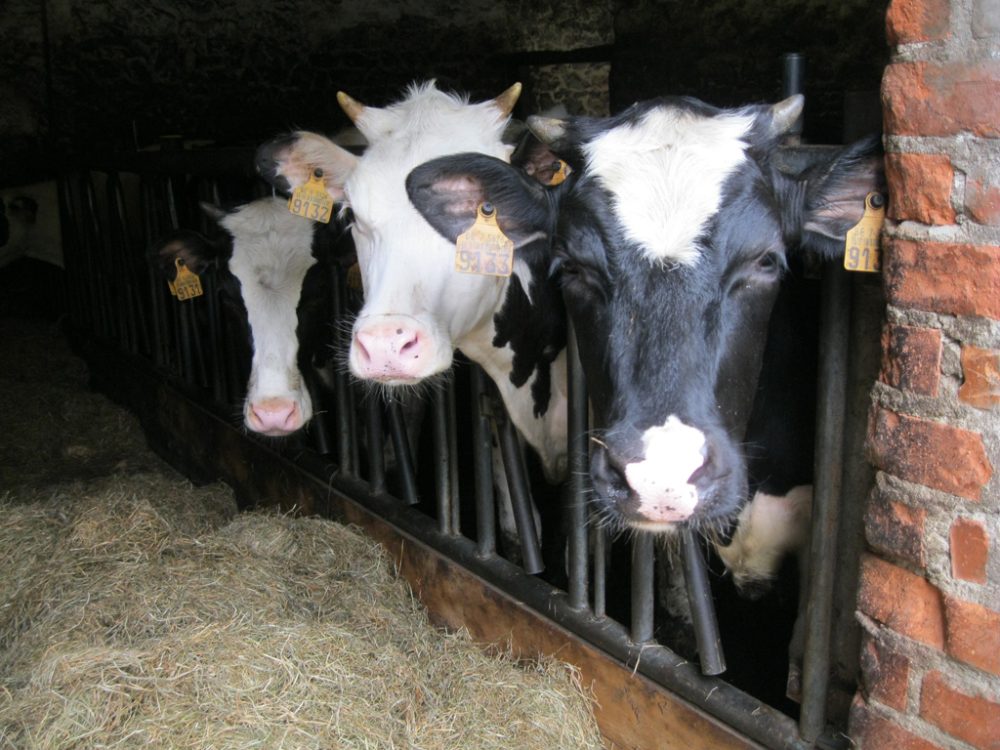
x,y
929,599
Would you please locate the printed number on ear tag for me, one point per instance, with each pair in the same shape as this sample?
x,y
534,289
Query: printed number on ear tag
x,y
861,246
311,201
186,285
484,248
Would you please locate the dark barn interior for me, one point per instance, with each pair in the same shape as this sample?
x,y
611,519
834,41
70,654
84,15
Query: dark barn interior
x,y
119,117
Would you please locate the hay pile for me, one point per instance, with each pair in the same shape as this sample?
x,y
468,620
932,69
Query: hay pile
x,y
136,609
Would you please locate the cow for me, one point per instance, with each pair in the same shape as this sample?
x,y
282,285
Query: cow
x,y
671,240
274,280
417,309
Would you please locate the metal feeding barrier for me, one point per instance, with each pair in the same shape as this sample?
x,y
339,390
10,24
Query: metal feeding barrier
x,y
114,207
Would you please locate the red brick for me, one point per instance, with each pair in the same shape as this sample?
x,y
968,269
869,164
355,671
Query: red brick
x,y
982,197
896,529
970,548
930,453
920,186
912,359
954,279
910,21
930,99
869,731
972,634
981,371
885,674
969,718
902,601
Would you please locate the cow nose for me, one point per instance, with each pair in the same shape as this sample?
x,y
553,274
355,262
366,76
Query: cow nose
x,y
607,477
389,351
274,416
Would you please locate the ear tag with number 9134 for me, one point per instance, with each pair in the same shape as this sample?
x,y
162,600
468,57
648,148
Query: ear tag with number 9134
x,y
861,246
311,201
186,284
484,248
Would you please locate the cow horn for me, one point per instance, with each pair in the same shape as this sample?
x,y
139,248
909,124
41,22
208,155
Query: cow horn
x,y
506,101
785,113
352,107
546,129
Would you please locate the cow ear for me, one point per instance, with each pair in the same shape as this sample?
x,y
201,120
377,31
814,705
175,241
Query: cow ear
x,y
288,162
192,249
212,211
833,199
448,191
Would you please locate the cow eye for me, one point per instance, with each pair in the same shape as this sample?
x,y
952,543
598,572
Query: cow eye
x,y
771,262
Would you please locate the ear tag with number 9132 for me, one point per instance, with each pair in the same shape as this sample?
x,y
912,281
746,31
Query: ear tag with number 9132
x,y
186,284
311,201
861,246
484,248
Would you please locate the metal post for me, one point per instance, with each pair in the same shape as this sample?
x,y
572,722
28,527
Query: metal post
x,y
397,431
376,445
442,460
642,587
520,494
482,447
706,626
579,465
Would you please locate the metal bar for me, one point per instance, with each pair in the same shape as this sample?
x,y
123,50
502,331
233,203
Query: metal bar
x,y
520,495
482,447
319,428
340,385
706,626
456,510
642,590
442,472
579,467
397,431
830,401
600,569
376,445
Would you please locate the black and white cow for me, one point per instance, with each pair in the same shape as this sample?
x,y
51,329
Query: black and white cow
x,y
417,308
275,280
671,240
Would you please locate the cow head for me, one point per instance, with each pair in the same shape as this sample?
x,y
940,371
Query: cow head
x,y
417,308
265,257
671,246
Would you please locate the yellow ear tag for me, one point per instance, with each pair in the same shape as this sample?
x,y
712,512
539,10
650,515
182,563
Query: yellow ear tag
x,y
311,201
861,246
186,284
484,248
560,174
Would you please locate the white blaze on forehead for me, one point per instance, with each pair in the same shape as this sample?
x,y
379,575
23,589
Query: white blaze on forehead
x,y
272,251
672,453
665,173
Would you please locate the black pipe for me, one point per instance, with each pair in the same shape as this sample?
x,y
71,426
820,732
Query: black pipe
x,y
456,509
827,482
520,493
699,592
600,570
376,445
793,82
642,592
340,384
578,488
442,460
397,431
482,456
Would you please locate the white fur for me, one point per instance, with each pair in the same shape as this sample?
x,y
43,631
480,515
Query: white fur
x,y
272,251
671,454
665,173
769,527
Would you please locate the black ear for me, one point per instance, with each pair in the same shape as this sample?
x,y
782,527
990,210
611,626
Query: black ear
x,y
831,195
447,192
193,250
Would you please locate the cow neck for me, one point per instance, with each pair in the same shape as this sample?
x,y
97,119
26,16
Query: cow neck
x,y
547,433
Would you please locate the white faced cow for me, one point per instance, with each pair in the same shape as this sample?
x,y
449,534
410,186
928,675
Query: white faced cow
x,y
671,240
418,309
269,274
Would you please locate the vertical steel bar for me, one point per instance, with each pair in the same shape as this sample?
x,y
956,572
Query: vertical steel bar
x,y
579,467
600,570
642,587
456,511
482,448
340,384
520,495
706,626
397,431
442,471
376,445
828,477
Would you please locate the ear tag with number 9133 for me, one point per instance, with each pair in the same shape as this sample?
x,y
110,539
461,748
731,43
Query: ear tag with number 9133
x,y
484,248
186,284
311,201
861,246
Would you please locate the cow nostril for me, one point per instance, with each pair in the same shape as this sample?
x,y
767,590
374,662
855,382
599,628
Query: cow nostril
x,y
362,350
410,346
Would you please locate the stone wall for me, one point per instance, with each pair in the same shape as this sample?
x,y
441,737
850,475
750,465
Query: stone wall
x,y
930,588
